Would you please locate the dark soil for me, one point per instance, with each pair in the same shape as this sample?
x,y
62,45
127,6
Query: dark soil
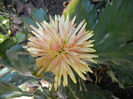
x,y
121,93
126,93
51,7
54,6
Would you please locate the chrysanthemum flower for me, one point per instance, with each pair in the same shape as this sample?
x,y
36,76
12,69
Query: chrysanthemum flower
x,y
61,46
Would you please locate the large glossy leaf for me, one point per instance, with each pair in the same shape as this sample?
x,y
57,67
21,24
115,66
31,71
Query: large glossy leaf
x,y
19,59
9,91
85,91
83,10
113,32
4,46
114,39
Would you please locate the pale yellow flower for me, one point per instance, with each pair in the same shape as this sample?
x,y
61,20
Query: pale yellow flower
x,y
61,47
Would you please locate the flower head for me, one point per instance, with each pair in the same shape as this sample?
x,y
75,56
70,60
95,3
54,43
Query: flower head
x,y
61,47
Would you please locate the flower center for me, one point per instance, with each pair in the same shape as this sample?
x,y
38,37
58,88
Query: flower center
x,y
55,46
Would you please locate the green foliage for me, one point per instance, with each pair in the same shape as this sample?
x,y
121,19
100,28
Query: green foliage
x,y
71,8
2,37
28,21
40,95
114,29
113,37
38,15
83,10
113,43
17,79
9,91
45,94
4,27
19,59
113,34
4,71
20,37
48,76
4,21
7,44
83,91
122,75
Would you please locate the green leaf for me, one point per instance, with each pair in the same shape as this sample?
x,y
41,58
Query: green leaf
x,y
4,71
122,75
5,62
44,94
84,91
28,22
3,20
9,91
20,37
2,37
114,29
17,79
38,15
114,38
40,95
19,59
71,8
48,76
83,10
7,44
112,75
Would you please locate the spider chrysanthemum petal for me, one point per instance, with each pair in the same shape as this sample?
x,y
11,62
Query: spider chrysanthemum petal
x,y
61,46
